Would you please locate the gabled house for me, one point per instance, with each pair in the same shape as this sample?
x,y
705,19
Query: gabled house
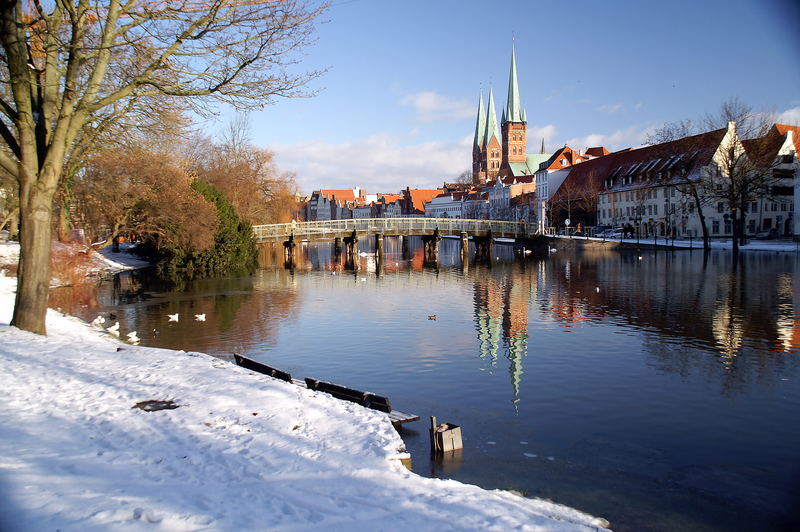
x,y
414,200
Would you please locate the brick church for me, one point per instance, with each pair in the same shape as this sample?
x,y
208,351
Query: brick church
x,y
502,151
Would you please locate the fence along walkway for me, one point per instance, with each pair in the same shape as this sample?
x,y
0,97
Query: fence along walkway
x,y
327,229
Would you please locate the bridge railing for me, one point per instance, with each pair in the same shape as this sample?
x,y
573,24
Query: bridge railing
x,y
389,226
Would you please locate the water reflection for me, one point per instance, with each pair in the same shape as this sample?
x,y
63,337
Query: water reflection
x,y
645,376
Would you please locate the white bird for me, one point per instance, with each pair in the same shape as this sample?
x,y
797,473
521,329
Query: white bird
x,y
200,317
597,289
528,251
553,250
132,337
114,330
173,317
640,257
363,253
98,321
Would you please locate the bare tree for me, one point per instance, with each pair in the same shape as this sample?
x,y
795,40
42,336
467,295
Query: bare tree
x,y
145,193
705,186
64,65
741,175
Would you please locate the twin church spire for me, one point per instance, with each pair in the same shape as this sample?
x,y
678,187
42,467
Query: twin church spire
x,y
493,151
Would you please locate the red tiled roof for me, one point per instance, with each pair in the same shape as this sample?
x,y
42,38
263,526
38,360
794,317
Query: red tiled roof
x,y
346,195
420,197
391,198
696,151
783,128
597,151
764,150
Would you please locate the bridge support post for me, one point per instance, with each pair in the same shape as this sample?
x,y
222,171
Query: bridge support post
x,y
379,246
431,247
483,247
337,246
289,248
351,249
404,245
464,244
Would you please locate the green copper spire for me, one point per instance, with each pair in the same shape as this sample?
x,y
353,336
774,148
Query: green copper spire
x,y
480,124
513,112
492,130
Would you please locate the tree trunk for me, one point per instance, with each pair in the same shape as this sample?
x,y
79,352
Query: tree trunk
x,y
699,204
33,272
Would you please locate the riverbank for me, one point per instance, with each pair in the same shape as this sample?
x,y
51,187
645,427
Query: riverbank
x,y
775,246
240,451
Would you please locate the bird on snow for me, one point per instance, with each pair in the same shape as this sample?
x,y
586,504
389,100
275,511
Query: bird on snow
x,y
98,321
132,337
114,329
199,317
173,317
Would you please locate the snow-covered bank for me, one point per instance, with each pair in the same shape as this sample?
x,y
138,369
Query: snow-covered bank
x,y
242,452
780,245
101,262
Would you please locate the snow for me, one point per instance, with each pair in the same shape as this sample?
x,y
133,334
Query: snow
x,y
778,245
241,452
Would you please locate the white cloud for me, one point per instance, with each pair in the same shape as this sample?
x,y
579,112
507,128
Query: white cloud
x,y
611,108
633,136
789,117
379,163
536,134
433,107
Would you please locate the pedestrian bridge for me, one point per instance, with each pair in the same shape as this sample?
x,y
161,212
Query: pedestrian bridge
x,y
332,229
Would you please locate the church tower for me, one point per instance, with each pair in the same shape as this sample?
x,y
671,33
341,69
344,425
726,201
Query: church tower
x,y
493,146
515,121
478,146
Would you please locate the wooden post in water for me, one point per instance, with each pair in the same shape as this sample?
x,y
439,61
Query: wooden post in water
x,y
379,246
288,251
405,246
431,248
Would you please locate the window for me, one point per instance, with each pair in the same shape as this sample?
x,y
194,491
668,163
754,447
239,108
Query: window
x,y
672,192
728,226
715,227
774,206
751,226
650,210
655,210
664,192
720,206
754,206
783,206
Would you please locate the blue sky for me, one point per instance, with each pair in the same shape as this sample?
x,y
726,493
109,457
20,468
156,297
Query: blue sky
x,y
397,106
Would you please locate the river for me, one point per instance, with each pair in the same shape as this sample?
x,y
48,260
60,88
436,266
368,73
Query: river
x,y
660,390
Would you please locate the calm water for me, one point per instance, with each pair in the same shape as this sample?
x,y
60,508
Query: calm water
x,y
660,392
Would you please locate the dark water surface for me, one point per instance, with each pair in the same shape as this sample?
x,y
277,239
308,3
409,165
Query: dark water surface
x,y
661,392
